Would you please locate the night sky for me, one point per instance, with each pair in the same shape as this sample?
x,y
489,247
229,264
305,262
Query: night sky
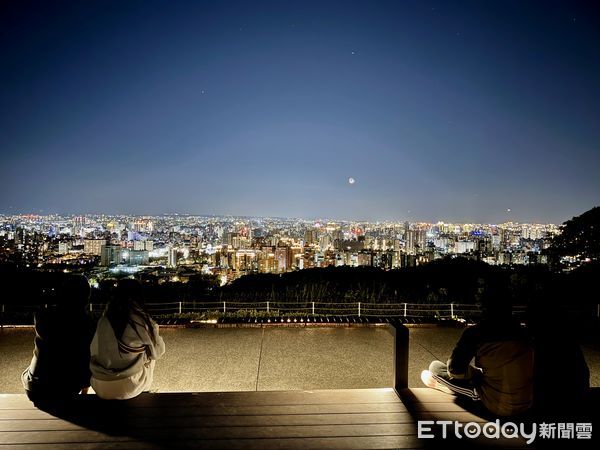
x,y
452,111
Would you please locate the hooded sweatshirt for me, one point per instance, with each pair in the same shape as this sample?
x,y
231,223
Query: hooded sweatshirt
x,y
111,361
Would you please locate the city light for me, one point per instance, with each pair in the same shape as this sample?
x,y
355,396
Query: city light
x,y
229,247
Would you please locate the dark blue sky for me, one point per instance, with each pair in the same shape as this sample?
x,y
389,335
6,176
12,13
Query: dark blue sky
x,y
444,110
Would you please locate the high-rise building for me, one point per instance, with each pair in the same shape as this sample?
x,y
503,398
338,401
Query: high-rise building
x,y
282,256
421,240
143,245
325,242
93,246
64,247
110,255
137,258
310,237
411,244
464,247
172,257
238,242
78,225
228,238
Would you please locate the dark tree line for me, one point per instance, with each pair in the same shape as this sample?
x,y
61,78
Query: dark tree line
x,y
444,281
579,238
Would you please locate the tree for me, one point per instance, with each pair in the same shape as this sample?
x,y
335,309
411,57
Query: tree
x,y
579,237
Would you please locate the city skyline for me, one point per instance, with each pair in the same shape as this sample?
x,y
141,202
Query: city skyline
x,y
315,219
231,247
465,112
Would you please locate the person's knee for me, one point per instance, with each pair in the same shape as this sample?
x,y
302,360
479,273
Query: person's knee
x,y
438,368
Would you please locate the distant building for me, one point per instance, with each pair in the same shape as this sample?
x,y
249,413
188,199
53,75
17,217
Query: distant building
x,y
64,247
283,256
137,258
464,247
411,244
239,242
325,242
110,255
93,246
172,257
143,245
228,238
310,237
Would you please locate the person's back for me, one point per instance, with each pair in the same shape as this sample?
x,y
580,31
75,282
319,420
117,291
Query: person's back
x,y
504,356
60,362
125,346
502,373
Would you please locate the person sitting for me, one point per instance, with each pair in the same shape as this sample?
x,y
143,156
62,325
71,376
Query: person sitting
x,y
502,376
126,346
59,367
557,352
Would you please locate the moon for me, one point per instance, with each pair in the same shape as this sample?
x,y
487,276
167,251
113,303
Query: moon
x,y
351,180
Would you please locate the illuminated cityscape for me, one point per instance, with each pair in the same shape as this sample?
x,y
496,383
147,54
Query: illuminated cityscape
x,y
299,225
229,247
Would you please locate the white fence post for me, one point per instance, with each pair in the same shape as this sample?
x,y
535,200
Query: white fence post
x,y
451,310
313,308
405,310
358,309
224,307
268,309
91,307
180,304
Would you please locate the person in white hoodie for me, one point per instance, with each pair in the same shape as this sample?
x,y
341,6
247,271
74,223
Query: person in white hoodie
x,y
125,347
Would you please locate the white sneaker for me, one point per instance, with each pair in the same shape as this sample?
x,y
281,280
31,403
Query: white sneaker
x,y
429,381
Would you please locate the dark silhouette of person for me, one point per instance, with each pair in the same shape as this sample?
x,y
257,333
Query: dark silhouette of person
x,y
61,357
562,376
501,377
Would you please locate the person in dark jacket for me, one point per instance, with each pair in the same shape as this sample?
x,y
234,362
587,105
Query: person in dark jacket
x,y
63,332
562,376
502,374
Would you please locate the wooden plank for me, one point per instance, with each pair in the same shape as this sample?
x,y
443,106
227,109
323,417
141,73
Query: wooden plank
x,y
435,407
17,401
167,434
55,424
426,395
357,442
459,416
367,418
102,408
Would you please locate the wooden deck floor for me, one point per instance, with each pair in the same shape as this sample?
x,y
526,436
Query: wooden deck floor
x,y
349,419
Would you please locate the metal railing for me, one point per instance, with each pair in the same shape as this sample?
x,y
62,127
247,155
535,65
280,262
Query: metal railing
x,y
359,309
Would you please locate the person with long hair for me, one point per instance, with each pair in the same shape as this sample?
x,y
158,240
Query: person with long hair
x,y
59,368
126,346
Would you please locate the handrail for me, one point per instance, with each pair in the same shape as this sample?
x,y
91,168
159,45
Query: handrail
x,y
404,309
